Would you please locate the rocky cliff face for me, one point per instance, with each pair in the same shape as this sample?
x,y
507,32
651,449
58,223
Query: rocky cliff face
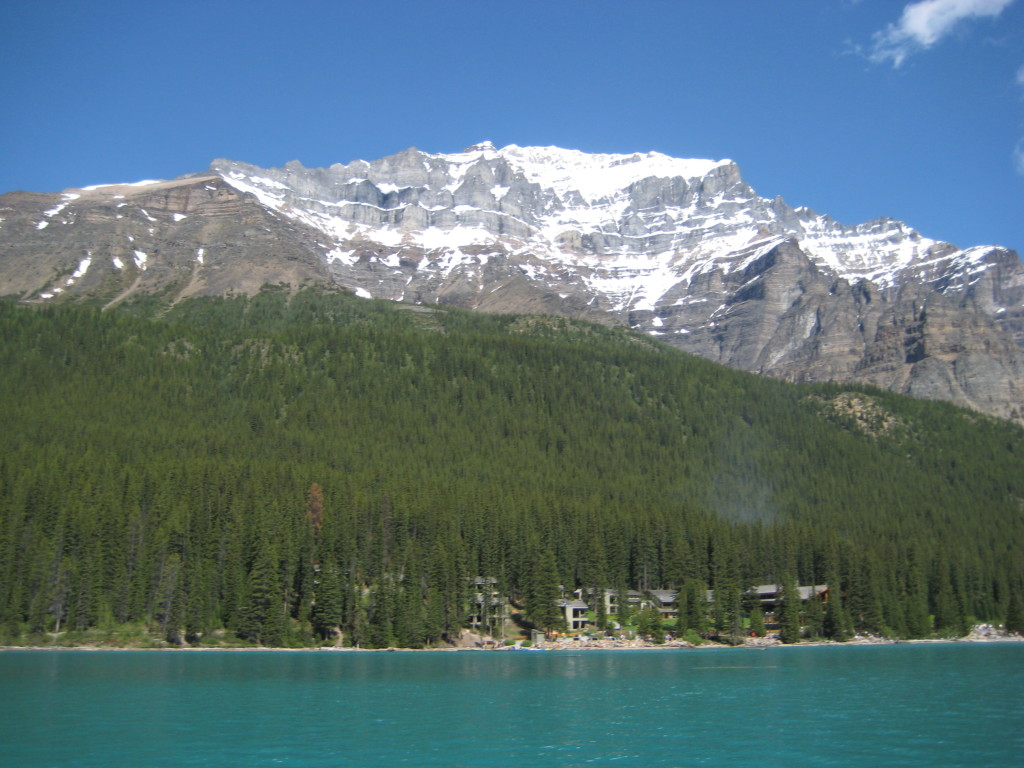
x,y
190,236
682,249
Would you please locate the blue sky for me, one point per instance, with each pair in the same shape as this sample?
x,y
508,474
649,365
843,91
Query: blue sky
x,y
856,108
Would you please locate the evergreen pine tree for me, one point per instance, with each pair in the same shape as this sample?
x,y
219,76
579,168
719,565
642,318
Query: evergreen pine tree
x,y
262,619
169,608
949,616
624,611
682,611
728,595
433,623
814,616
382,617
788,610
409,621
757,628
197,609
918,620
647,622
600,608
1015,614
541,607
355,616
327,613
834,622
697,607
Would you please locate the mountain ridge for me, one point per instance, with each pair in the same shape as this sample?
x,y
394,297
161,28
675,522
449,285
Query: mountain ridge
x,y
683,250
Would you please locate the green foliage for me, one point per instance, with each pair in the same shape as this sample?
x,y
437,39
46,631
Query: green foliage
x,y
756,627
543,592
1015,615
327,614
696,607
692,637
835,621
648,623
728,594
789,610
282,465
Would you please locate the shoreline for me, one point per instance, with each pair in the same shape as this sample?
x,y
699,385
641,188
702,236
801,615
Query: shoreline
x,y
547,646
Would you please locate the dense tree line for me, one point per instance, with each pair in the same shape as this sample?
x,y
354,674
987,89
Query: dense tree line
x,y
297,468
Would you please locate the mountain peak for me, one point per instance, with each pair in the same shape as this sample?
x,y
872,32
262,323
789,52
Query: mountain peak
x,y
682,249
483,146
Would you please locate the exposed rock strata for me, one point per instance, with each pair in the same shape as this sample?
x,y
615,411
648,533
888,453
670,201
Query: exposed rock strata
x,y
682,249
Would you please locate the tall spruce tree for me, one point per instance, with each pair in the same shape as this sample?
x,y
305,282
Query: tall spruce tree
x,y
262,616
624,610
918,620
757,628
541,601
813,615
327,611
728,594
950,620
409,619
600,608
1015,614
788,610
697,607
834,623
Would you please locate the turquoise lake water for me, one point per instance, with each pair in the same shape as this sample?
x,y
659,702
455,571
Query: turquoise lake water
x,y
903,705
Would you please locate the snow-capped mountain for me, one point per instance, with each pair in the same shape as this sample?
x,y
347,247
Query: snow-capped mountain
x,y
682,249
634,225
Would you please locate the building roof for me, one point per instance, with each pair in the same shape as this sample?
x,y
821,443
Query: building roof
x,y
768,591
563,603
664,596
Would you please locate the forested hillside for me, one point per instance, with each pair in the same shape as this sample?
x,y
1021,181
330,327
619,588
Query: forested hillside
x,y
282,467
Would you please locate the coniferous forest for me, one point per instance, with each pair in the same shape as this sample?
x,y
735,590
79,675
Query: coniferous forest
x,y
294,468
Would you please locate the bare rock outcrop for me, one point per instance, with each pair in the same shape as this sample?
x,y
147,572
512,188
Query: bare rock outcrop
x,y
684,250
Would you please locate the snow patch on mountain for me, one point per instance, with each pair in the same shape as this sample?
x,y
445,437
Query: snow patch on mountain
x,y
629,227
594,177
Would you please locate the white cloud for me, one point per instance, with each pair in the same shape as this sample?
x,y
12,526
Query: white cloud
x,y
1020,76
926,22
